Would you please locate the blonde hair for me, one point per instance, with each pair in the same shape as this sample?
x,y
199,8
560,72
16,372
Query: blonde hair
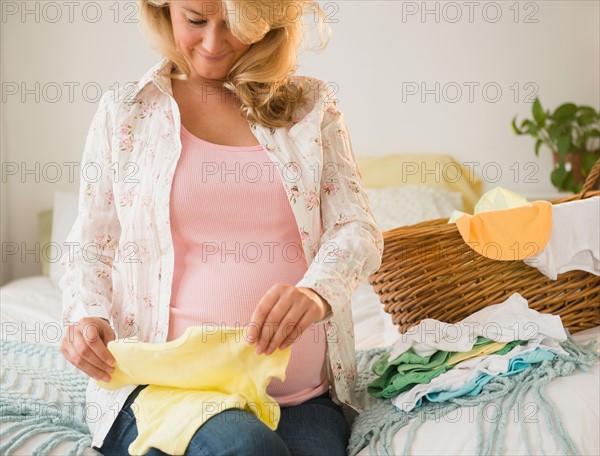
x,y
261,78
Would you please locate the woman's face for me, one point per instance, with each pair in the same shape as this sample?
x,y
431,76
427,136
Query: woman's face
x,y
200,33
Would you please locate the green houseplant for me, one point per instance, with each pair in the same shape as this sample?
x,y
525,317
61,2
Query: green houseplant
x,y
568,132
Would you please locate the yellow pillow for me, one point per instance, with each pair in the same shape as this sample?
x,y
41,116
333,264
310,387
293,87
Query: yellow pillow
x,y
440,171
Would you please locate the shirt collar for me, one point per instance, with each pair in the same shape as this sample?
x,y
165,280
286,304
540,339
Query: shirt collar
x,y
159,75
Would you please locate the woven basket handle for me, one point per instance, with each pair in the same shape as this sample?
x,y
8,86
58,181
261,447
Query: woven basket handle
x,y
592,181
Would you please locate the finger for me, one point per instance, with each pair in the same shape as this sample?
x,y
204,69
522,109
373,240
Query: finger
x,y
272,323
107,333
287,329
84,365
306,322
257,320
83,350
79,351
92,337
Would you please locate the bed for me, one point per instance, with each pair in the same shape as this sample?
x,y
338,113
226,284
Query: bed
x,y
31,309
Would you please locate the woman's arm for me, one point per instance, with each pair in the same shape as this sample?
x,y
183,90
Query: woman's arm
x,y
349,250
352,244
92,241
94,237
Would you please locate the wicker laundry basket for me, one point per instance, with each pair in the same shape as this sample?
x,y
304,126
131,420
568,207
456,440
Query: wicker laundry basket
x,y
428,271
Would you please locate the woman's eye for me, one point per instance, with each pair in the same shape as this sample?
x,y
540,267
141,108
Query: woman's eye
x,y
193,22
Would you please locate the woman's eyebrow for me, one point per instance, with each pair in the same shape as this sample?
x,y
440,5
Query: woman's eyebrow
x,y
192,11
197,13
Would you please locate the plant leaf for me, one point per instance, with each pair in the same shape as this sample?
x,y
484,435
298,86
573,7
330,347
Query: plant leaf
x,y
588,159
538,113
515,128
538,143
586,119
565,111
564,144
567,183
557,176
528,128
553,131
588,110
532,129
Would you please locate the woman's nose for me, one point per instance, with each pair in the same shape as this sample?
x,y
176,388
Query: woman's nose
x,y
214,40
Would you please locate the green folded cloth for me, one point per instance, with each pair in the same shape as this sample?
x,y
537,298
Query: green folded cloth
x,y
410,369
405,371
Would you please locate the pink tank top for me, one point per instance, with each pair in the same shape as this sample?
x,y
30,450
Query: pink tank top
x,y
235,236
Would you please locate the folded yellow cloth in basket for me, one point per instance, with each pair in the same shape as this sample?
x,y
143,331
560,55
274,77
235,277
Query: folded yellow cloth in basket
x,y
508,234
492,200
191,379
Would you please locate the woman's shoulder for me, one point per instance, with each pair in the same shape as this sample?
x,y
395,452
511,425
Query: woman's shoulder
x,y
308,82
316,94
148,87
314,88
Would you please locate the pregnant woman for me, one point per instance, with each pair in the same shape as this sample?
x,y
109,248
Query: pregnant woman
x,y
225,191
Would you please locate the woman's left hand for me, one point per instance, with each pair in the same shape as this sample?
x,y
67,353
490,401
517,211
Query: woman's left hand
x,y
282,315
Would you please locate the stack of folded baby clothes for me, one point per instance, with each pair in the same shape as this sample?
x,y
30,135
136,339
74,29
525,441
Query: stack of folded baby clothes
x,y
436,361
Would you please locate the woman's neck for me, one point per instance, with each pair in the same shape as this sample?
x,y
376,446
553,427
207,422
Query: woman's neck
x,y
210,91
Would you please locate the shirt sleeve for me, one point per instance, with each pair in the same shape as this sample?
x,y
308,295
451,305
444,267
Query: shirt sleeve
x,y
351,244
94,237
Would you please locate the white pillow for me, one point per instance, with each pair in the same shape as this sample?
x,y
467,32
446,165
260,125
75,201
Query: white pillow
x,y
64,214
399,206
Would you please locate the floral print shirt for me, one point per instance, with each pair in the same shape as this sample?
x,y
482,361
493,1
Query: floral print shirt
x,y
120,262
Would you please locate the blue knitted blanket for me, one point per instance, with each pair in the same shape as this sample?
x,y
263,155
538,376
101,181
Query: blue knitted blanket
x,y
40,392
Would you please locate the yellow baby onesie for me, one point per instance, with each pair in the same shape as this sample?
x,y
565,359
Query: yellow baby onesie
x,y
508,234
476,351
191,379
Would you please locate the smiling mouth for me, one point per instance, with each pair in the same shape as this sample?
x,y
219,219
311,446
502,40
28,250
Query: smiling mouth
x,y
219,57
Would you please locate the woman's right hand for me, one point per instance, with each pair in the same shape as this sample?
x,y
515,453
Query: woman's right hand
x,y
84,346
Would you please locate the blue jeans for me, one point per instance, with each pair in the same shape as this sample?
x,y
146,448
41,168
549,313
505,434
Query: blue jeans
x,y
315,427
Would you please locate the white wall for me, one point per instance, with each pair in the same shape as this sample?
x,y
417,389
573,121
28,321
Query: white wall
x,y
379,50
